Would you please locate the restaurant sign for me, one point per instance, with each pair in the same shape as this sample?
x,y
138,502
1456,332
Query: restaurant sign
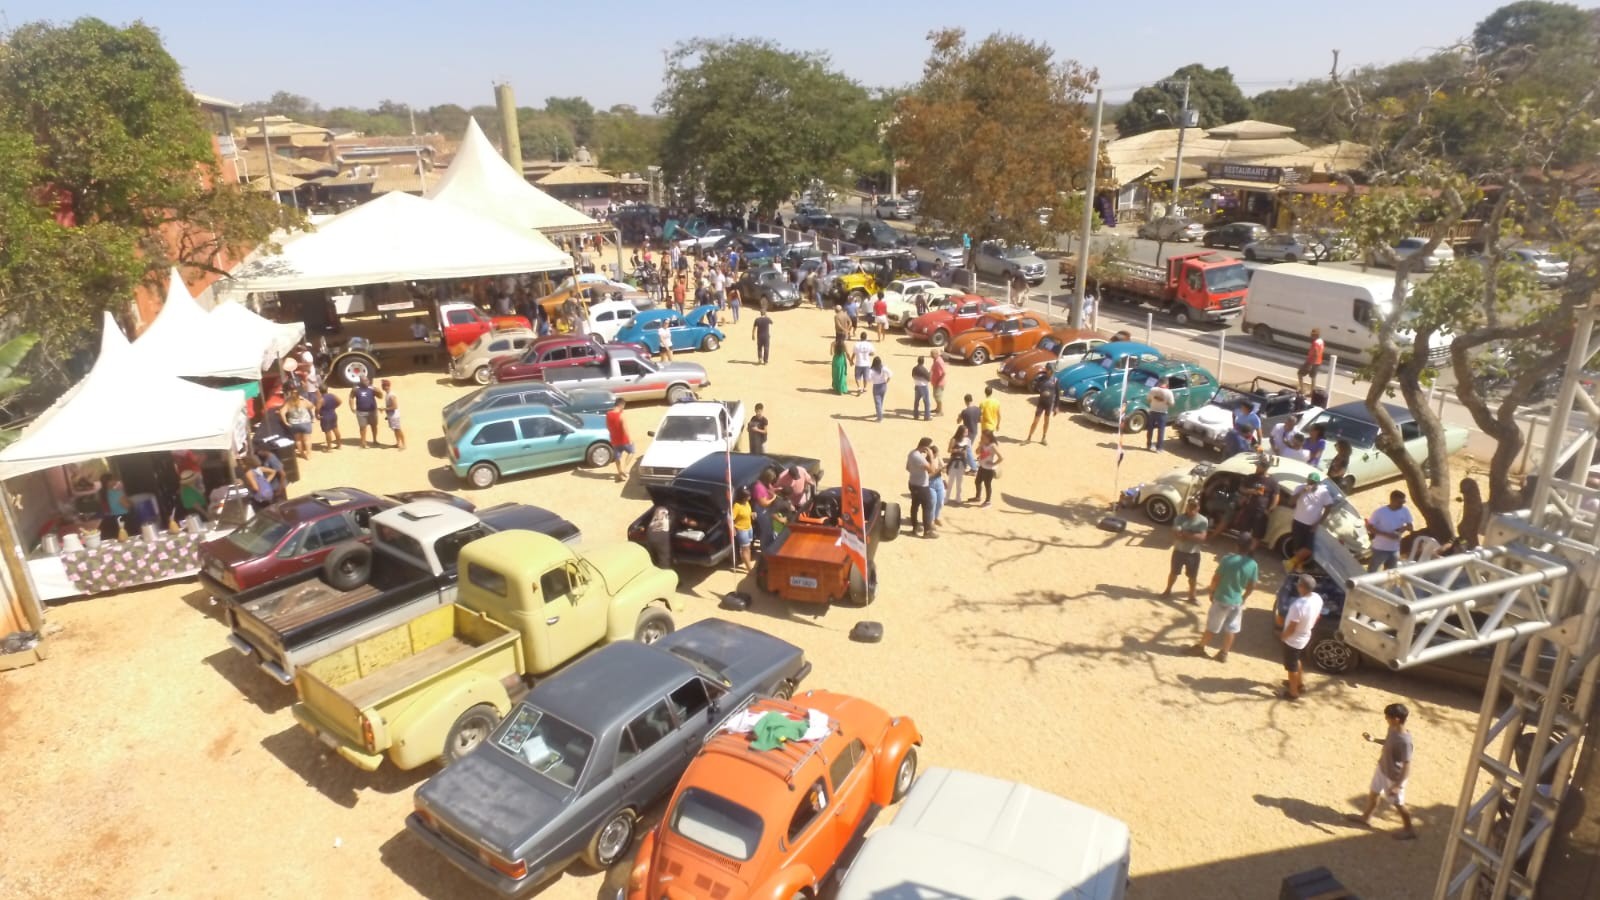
x,y
1242,172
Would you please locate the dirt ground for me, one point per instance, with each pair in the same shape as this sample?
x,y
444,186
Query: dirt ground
x,y
145,757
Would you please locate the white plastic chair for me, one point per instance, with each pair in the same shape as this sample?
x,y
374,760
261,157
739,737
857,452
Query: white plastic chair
x,y
1423,548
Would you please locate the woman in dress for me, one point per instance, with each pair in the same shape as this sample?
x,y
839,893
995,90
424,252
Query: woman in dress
x,y
841,369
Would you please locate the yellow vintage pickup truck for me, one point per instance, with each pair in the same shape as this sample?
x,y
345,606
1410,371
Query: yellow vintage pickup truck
x,y
436,685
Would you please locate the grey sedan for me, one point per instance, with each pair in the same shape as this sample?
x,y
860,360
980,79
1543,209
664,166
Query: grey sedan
x,y
564,775
1285,248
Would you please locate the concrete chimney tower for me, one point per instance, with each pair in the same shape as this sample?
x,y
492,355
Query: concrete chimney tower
x,y
511,139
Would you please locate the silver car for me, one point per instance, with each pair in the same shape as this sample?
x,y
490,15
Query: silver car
x,y
890,208
932,249
1172,228
1285,248
1548,269
1010,261
1389,257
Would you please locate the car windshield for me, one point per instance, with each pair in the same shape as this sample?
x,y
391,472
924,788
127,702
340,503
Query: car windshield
x,y
717,824
261,534
1225,279
688,428
545,744
566,418
1358,433
1048,344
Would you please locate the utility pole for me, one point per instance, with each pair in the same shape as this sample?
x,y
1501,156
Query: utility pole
x,y
1081,283
422,183
1177,164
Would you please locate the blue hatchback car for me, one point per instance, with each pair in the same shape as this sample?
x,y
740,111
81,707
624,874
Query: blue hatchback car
x,y
1079,383
695,330
491,443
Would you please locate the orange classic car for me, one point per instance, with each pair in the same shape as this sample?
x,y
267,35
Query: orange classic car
x,y
997,334
1063,346
758,816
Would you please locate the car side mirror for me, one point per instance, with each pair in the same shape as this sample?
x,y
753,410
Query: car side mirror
x,y
650,434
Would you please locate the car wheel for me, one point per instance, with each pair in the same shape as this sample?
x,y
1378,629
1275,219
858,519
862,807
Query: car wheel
x,y
480,375
600,454
1088,398
678,393
353,368
856,589
612,841
1334,656
348,567
1135,421
784,690
889,524
1291,257
482,475
654,624
1287,546
1208,241
1262,334
858,295
710,343
1180,315
979,356
1347,484
905,773
939,338
1250,255
1159,510
469,731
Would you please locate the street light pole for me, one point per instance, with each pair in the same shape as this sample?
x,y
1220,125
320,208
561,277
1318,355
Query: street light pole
x,y
1080,284
1177,164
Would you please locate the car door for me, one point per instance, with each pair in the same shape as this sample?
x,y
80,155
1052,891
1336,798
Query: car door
x,y
1028,334
1416,443
650,756
495,442
693,713
1003,340
849,775
1178,383
542,442
808,836
574,615
1200,390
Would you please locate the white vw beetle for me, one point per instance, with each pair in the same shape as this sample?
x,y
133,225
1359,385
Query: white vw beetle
x,y
1217,486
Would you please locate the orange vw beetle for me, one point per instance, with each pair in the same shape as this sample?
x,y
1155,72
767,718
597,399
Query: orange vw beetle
x,y
754,818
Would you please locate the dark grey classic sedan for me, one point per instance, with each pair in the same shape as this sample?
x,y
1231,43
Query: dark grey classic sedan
x,y
565,775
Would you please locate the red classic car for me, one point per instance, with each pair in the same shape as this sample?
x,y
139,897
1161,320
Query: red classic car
x,y
295,535
546,352
963,312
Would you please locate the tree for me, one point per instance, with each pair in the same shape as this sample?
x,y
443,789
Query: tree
x,y
752,122
283,103
577,113
1498,135
1212,93
108,177
1308,108
993,132
544,136
12,353
627,141
1530,25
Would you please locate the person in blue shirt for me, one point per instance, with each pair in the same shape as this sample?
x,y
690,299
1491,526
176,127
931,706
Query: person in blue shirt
x,y
1246,415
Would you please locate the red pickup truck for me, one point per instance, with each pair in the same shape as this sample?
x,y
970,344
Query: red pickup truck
x,y
1190,287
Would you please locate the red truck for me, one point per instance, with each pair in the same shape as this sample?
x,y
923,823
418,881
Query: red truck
x,y
1190,287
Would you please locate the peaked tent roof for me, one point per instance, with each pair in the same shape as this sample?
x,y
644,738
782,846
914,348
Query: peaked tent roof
x,y
186,340
277,338
1249,129
123,406
479,180
398,237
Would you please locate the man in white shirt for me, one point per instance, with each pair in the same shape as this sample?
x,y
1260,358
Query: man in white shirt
x,y
1388,524
1294,630
1160,399
864,354
1312,501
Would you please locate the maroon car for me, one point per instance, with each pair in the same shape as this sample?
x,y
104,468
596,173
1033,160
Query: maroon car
x,y
294,535
554,350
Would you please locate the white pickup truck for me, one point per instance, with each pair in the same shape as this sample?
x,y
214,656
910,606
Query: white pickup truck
x,y
689,431
361,591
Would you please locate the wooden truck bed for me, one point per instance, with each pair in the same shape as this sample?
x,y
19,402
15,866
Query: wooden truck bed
x,y
809,565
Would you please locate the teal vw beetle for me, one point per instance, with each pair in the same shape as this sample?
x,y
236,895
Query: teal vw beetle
x,y
491,443
1079,383
1192,387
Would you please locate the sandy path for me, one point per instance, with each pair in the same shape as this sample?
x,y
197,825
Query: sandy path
x,y
147,758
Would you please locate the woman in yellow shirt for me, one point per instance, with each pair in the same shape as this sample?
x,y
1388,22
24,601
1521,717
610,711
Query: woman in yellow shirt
x,y
743,526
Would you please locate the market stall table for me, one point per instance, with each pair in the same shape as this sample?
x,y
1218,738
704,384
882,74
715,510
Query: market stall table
x,y
115,565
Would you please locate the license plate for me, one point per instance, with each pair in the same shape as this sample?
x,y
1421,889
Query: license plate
x,y
1194,440
801,581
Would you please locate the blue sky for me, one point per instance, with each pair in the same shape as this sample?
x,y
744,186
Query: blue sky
x,y
432,52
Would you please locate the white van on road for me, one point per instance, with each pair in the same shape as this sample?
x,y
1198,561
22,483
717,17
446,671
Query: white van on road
x,y
1286,301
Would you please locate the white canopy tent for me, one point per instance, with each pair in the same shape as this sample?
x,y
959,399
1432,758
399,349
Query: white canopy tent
x,y
123,406
398,237
479,180
278,338
186,340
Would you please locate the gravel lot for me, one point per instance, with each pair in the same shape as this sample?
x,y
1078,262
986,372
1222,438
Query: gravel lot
x,y
148,758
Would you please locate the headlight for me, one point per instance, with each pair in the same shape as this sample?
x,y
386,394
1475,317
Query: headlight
x,y
1072,392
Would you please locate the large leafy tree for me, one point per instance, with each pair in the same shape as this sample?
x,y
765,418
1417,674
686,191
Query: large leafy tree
x,y
1212,93
993,132
1534,25
107,178
626,141
750,122
1502,136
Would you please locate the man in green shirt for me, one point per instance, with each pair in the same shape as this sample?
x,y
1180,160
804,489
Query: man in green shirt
x,y
1188,530
1231,584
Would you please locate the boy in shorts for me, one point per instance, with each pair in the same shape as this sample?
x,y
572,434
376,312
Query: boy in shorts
x,y
1394,769
1236,576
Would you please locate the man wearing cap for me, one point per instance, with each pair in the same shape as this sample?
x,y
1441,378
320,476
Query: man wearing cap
x,y
1312,501
1295,624
1258,494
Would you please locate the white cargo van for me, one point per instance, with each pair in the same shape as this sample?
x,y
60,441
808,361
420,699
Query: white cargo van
x,y
1286,301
